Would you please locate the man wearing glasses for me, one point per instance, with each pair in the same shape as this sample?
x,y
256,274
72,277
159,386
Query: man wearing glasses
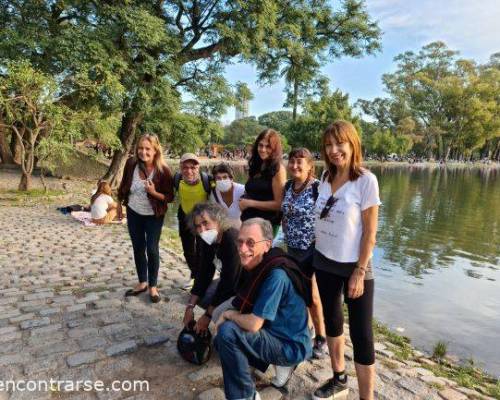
x,y
269,323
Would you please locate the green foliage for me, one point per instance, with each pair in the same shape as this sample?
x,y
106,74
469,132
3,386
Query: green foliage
x,y
31,110
277,120
440,349
309,34
242,132
441,104
306,131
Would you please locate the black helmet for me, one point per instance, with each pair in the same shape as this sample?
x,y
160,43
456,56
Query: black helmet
x,y
193,347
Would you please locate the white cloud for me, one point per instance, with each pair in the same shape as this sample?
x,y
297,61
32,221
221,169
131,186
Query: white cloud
x,y
471,27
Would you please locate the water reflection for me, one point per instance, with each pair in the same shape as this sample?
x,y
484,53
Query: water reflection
x,y
437,257
431,217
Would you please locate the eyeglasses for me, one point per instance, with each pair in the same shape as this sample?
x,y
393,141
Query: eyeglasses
x,y
249,242
328,206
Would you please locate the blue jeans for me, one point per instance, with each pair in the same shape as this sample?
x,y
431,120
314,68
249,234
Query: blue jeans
x,y
239,349
145,231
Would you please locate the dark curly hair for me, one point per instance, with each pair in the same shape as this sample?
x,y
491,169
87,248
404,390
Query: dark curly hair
x,y
270,166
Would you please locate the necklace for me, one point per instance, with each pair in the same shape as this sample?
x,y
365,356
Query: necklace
x,y
301,188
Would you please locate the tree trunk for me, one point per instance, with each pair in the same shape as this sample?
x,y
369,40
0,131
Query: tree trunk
x,y
120,156
15,147
295,99
447,152
5,153
25,183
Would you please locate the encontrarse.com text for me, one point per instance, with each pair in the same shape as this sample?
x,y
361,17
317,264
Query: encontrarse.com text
x,y
54,385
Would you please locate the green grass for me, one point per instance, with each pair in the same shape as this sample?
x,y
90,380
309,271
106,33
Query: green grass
x,y
440,349
468,375
171,240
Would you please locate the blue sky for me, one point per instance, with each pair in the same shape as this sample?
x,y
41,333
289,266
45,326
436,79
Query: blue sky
x,y
472,27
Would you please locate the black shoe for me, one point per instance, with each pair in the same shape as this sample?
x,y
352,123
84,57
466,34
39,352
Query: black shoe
x,y
132,292
155,298
331,389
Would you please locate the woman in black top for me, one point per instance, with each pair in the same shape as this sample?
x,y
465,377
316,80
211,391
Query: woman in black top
x,y
266,182
219,252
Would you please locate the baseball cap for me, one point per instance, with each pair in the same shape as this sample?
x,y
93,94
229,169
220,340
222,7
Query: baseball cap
x,y
189,157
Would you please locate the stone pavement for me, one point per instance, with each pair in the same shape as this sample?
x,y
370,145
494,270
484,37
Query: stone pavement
x,y
63,316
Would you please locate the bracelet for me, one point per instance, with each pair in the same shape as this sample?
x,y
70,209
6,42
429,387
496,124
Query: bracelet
x,y
190,305
364,269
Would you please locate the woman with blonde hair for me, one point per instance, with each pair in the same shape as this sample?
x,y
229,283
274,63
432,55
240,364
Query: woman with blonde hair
x,y
102,205
146,189
345,229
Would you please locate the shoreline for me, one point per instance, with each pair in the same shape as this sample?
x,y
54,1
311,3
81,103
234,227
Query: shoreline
x,y
368,163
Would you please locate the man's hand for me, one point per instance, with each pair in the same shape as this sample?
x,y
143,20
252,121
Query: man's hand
x,y
188,316
223,318
202,325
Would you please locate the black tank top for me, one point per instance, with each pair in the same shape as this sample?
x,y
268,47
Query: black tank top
x,y
260,188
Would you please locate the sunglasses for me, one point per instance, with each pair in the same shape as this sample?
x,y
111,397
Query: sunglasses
x,y
328,206
249,242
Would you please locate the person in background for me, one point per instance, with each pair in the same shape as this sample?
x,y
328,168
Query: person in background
x,y
269,325
146,189
301,192
266,181
219,253
346,227
227,192
103,209
192,188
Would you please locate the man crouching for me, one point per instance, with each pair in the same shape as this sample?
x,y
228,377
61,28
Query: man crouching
x,y
269,325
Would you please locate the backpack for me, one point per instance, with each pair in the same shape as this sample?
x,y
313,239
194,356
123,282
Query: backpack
x,y
206,180
315,187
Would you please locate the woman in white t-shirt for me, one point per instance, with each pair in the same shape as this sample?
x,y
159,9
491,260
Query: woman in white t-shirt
x,y
227,192
102,205
345,228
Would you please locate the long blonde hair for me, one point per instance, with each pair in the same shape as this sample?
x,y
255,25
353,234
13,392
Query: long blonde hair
x,y
103,187
159,161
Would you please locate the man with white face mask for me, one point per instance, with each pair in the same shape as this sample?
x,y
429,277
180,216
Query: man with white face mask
x,y
227,193
219,253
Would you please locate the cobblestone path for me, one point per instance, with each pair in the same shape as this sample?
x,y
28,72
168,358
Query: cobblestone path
x,y
63,317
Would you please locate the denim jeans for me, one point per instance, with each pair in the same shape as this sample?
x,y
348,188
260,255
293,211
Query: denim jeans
x,y
238,350
190,246
145,231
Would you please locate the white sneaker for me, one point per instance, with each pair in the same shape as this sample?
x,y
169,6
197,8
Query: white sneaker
x,y
283,375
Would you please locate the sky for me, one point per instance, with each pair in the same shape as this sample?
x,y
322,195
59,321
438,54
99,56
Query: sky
x,y
470,27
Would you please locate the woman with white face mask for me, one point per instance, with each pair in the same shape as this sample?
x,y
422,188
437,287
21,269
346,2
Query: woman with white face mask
x,y
227,193
219,253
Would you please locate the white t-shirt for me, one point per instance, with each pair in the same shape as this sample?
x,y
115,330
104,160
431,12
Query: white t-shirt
x,y
100,206
338,235
233,211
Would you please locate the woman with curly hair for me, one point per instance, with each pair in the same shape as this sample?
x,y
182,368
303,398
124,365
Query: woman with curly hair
x,y
266,182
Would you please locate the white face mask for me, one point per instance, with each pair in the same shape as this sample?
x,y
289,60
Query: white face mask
x,y
209,236
224,185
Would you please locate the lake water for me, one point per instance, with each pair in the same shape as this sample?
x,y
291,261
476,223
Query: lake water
x,y
437,258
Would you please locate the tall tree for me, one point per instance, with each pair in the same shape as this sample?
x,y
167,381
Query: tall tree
x,y
32,113
242,97
449,102
312,33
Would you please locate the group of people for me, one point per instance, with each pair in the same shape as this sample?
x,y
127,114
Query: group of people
x,y
267,301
